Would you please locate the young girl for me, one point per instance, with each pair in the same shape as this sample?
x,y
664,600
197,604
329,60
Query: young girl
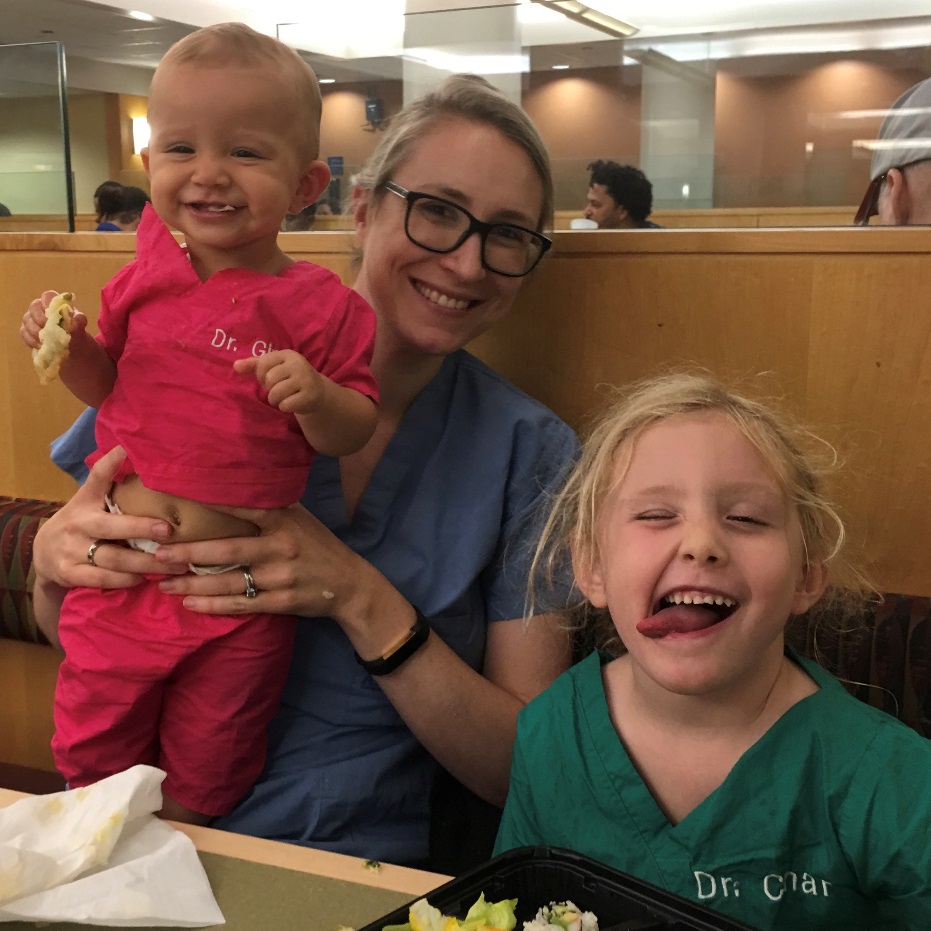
x,y
709,758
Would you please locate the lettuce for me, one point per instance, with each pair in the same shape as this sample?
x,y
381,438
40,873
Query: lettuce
x,y
482,916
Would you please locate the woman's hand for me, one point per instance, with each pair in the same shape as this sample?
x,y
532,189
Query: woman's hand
x,y
297,565
62,550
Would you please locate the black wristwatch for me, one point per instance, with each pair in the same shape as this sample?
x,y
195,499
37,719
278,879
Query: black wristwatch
x,y
388,662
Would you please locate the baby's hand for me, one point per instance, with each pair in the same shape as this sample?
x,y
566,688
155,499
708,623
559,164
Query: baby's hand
x,y
34,319
294,386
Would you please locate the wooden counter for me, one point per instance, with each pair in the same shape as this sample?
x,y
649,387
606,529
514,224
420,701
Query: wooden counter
x,y
262,884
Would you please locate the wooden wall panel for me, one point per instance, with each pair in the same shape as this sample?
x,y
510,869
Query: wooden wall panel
x,y
830,320
34,262
827,321
27,685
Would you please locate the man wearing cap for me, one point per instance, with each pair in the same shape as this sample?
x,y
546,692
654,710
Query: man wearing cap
x,y
900,187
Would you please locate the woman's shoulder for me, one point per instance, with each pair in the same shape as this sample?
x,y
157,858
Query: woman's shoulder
x,y
477,384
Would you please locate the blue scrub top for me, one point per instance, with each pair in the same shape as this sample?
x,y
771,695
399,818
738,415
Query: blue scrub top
x,y
71,449
450,517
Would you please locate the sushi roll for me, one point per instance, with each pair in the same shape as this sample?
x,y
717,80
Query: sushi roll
x,y
562,916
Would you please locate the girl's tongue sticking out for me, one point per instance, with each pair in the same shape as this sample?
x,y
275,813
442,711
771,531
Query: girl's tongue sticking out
x,y
678,615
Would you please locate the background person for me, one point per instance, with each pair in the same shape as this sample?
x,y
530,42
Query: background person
x,y
205,422
706,757
119,207
619,197
436,511
899,193
107,199
301,221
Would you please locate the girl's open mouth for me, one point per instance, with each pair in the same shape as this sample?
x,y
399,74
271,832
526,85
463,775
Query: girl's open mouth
x,y
686,612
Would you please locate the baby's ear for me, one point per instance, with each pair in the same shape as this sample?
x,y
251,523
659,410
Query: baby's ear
x,y
812,581
588,575
313,183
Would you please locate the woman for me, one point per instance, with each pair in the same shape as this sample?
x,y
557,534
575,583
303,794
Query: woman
x,y
435,512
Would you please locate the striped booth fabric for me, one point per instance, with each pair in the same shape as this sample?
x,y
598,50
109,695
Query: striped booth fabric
x,y
886,662
19,520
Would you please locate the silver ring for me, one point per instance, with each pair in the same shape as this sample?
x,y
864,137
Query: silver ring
x,y
251,590
90,552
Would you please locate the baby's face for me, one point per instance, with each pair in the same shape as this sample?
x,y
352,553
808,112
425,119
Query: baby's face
x,y
227,159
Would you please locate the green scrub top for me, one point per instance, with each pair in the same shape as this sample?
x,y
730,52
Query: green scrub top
x,y
824,823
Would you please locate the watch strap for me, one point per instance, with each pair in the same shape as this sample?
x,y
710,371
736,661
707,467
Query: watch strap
x,y
416,637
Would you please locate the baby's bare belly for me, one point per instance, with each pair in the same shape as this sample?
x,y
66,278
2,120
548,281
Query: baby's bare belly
x,y
190,520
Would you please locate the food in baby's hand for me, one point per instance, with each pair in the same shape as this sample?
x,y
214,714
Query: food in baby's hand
x,y
54,338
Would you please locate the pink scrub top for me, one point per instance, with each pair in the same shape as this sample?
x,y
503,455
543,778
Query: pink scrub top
x,y
190,424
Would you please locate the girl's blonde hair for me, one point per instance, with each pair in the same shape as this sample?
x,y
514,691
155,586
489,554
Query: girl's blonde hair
x,y
799,459
464,97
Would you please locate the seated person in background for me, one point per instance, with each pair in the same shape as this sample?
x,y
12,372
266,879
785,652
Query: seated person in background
x,y
5,211
700,753
107,199
119,208
220,368
619,197
301,221
899,193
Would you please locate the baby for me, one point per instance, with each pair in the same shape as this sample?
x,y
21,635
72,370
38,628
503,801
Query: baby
x,y
221,366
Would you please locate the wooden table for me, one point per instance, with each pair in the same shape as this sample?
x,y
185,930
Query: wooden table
x,y
263,885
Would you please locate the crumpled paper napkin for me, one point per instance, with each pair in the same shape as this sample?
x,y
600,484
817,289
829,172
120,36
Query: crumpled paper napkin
x,y
98,855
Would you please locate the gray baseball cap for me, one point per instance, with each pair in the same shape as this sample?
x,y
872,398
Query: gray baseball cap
x,y
905,134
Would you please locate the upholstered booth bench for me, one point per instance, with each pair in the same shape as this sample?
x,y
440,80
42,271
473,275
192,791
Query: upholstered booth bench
x,y
887,664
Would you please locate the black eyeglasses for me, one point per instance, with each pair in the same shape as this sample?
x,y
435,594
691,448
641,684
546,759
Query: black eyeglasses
x,y
439,225
869,206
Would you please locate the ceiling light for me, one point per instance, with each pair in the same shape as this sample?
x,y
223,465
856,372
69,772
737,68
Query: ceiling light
x,y
138,14
588,16
326,80
560,67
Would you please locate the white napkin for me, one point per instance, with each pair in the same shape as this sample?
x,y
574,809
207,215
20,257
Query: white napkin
x,y
98,855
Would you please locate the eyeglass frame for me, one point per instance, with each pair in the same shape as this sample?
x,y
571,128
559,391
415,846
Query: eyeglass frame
x,y
475,226
869,206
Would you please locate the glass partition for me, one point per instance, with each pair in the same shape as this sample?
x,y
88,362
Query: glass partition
x,y
771,123
762,115
35,168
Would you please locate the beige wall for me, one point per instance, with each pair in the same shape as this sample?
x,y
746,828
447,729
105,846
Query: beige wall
x,y
343,128
763,126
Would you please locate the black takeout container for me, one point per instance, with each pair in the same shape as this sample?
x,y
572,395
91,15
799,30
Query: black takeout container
x,y
536,876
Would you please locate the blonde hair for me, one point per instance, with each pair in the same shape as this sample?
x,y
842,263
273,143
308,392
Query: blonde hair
x,y
463,97
236,45
799,459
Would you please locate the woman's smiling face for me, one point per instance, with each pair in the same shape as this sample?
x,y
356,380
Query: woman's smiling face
x,y
435,303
